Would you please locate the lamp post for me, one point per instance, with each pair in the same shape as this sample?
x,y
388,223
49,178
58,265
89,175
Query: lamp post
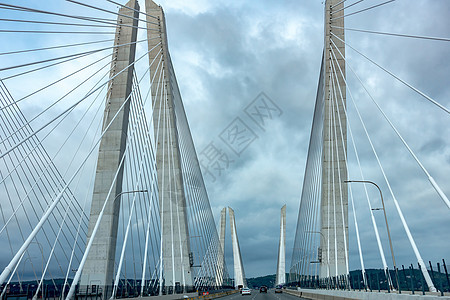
x,y
23,270
126,281
29,258
321,258
129,192
322,236
385,218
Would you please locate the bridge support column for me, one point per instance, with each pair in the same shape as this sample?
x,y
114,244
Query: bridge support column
x,y
174,229
99,267
239,275
281,264
221,251
334,203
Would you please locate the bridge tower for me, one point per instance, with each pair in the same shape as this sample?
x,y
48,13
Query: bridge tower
x,y
334,198
221,251
239,275
99,267
281,264
172,200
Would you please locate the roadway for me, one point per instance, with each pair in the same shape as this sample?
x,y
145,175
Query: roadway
x,y
256,295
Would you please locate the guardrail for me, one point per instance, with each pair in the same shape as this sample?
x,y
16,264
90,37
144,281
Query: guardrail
x,y
347,295
213,295
406,280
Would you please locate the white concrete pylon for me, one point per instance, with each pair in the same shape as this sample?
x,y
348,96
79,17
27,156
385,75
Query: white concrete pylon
x,y
176,253
281,264
220,254
99,267
239,275
334,202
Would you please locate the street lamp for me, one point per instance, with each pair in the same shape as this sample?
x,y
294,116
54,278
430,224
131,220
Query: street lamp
x,y
385,218
23,270
129,192
29,258
126,281
321,258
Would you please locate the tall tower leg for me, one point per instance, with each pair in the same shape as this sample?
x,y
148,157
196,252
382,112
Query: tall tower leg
x,y
99,267
334,203
239,275
221,250
172,201
281,264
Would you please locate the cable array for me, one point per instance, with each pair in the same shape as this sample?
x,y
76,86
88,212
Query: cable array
x,y
310,265
205,246
48,154
308,235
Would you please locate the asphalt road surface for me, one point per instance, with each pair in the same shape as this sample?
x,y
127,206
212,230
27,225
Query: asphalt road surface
x,y
256,295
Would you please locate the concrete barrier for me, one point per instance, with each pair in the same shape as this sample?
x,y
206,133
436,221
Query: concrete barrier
x,y
347,295
212,296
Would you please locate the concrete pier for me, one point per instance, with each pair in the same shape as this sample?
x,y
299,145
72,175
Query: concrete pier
x,y
239,275
281,263
334,207
99,268
175,235
220,254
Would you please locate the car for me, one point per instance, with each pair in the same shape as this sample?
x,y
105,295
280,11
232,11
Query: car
x,y
279,289
246,291
263,289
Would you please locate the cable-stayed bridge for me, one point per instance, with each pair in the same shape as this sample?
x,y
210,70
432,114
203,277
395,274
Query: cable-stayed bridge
x,y
129,214
321,248
150,214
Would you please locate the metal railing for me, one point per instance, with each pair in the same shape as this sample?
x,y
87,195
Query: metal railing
x,y
409,279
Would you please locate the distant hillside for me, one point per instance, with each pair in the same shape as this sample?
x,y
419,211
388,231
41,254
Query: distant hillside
x,y
375,278
268,280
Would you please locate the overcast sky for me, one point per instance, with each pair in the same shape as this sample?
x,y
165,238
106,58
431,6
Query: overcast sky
x,y
226,53
229,54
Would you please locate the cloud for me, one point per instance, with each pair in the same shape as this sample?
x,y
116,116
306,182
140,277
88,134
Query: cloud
x,y
225,53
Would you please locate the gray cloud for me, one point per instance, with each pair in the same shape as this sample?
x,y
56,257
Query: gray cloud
x,y
226,52
276,48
